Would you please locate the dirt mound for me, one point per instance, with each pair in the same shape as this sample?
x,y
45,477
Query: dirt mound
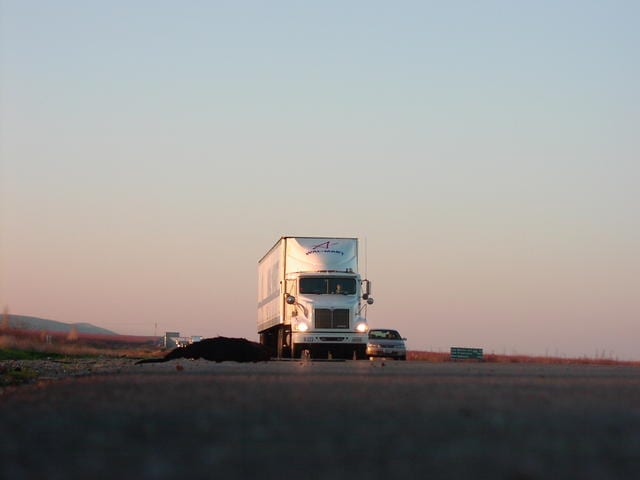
x,y
218,349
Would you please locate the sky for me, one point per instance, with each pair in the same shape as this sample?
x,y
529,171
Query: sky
x,y
485,153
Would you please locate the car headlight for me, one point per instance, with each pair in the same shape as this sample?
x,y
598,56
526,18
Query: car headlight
x,y
362,327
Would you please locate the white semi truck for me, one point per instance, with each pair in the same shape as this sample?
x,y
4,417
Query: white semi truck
x,y
311,297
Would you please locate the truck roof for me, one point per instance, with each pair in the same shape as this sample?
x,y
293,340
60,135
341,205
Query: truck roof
x,y
302,237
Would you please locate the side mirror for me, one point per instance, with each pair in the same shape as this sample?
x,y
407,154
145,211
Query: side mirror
x,y
370,301
290,299
366,289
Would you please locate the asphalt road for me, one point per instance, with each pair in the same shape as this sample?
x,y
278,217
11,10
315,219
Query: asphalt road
x,y
321,420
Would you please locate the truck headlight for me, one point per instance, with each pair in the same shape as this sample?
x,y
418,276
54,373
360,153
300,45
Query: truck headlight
x,y
302,327
362,327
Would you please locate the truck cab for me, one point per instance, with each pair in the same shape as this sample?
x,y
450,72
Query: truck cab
x,y
326,315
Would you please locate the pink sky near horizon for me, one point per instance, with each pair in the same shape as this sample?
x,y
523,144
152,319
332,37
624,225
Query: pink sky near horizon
x,y
486,156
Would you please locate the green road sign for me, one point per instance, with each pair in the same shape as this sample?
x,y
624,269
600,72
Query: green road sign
x,y
461,353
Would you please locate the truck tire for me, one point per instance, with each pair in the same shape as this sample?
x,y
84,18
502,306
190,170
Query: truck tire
x,y
284,342
296,351
269,339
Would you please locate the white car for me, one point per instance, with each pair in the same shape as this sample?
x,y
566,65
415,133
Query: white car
x,y
384,342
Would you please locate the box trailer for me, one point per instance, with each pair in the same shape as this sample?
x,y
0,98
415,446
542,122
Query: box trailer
x,y
311,298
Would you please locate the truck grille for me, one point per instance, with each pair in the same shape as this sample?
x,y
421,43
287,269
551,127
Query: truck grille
x,y
338,318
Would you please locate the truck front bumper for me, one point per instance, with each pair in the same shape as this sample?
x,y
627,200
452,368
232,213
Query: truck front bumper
x,y
347,345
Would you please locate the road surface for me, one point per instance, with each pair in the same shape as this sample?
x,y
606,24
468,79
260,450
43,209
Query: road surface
x,y
321,420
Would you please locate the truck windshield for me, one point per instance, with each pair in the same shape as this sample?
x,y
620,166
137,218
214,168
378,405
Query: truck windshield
x,y
328,285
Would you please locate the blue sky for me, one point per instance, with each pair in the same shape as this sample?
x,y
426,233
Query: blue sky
x,y
151,152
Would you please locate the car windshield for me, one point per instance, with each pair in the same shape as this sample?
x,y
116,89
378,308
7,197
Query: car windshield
x,y
385,334
328,285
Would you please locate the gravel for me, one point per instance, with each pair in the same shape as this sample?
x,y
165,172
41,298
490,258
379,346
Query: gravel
x,y
54,369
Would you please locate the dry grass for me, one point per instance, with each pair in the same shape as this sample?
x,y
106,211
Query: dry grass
x,y
493,358
434,357
76,344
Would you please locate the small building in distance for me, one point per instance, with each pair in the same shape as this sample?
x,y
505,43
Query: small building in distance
x,y
171,339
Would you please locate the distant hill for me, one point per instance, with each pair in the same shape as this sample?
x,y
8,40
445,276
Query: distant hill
x,y
35,323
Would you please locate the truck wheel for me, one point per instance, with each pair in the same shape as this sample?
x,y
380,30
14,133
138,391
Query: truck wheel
x,y
296,351
269,339
284,343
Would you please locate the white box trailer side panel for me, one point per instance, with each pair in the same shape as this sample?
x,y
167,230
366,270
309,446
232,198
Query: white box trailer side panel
x,y
315,254
270,274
